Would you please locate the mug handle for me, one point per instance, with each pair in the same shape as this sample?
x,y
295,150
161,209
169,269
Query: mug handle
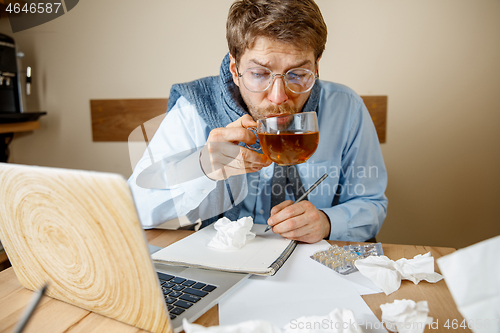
x,y
254,131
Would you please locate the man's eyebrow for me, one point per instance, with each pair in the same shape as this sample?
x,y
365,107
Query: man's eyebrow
x,y
305,62
265,64
257,62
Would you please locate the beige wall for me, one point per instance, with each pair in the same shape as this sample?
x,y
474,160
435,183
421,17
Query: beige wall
x,y
438,61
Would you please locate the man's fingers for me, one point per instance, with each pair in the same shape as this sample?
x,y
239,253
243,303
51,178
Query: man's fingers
x,y
225,153
277,215
302,222
222,157
223,160
247,121
305,238
292,228
297,234
217,149
281,206
231,135
286,210
239,163
243,122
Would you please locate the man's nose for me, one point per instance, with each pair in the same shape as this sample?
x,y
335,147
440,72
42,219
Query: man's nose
x,y
278,94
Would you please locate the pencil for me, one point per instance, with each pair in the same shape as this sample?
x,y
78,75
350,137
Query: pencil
x,y
303,196
30,309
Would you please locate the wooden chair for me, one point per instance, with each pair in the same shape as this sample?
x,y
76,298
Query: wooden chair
x,y
138,119
116,119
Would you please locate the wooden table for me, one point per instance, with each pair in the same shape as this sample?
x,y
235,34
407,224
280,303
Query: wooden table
x,y
13,128
24,126
8,130
55,316
4,261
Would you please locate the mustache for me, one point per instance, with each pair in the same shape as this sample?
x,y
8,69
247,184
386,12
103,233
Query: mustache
x,y
276,110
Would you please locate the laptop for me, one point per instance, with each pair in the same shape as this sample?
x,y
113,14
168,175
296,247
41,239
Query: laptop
x,y
79,232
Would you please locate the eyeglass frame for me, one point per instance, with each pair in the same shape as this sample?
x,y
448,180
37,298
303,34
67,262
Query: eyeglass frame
x,y
316,77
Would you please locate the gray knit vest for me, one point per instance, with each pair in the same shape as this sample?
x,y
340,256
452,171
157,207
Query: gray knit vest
x,y
218,102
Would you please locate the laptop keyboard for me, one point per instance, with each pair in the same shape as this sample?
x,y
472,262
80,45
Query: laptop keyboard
x,y
180,293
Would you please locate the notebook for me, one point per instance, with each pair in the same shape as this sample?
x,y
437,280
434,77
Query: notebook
x,y
263,255
79,232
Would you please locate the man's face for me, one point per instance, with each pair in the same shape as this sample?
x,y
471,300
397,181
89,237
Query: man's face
x,y
279,57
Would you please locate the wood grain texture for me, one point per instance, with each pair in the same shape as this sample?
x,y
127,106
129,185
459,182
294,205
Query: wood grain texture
x,y
57,228
441,304
116,119
4,261
19,127
121,119
3,256
377,107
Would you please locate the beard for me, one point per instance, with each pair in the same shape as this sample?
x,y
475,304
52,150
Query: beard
x,y
270,111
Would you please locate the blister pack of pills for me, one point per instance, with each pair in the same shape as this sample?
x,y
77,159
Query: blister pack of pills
x,y
341,259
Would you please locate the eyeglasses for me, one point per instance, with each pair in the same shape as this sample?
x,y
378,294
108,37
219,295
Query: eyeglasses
x,y
259,79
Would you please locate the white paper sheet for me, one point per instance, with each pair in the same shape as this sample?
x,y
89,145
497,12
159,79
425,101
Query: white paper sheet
x,y
362,284
472,275
302,287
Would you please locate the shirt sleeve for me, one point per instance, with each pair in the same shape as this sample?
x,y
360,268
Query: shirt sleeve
x,y
362,205
168,181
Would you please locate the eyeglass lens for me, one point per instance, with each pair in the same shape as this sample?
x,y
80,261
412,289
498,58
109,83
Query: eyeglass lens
x,y
259,79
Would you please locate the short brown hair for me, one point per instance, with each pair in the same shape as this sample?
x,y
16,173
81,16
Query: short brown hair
x,y
298,22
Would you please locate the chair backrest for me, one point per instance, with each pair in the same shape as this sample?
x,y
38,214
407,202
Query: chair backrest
x,y
377,107
115,119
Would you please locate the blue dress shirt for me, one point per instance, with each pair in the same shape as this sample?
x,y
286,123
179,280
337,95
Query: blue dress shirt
x,y
168,181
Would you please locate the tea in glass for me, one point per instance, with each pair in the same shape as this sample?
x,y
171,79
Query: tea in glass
x,y
289,148
289,139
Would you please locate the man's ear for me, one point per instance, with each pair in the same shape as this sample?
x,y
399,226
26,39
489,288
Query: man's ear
x,y
232,69
317,66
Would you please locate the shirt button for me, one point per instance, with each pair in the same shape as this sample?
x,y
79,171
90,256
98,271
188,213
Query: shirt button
x,y
261,212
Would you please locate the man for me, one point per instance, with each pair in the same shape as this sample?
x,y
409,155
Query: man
x,y
197,165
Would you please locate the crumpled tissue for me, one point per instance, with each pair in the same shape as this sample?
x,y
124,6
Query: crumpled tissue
x,y
472,276
339,320
406,316
387,274
232,235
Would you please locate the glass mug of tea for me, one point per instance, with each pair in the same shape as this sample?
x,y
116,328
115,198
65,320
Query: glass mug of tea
x,y
288,139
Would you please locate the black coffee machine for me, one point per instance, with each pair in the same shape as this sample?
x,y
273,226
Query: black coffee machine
x,y
10,97
12,93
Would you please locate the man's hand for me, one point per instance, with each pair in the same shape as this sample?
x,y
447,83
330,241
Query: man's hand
x,y
301,221
222,158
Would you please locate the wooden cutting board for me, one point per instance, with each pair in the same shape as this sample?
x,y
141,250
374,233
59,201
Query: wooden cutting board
x,y
79,231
